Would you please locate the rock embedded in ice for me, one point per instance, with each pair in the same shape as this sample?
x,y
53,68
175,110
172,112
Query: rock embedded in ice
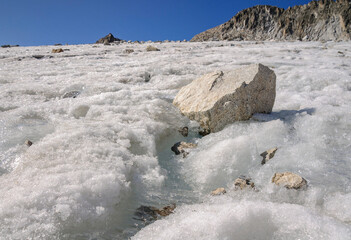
x,y
165,211
218,191
72,94
38,56
147,77
57,50
151,48
148,213
128,50
267,155
184,131
28,143
222,97
242,182
179,147
289,180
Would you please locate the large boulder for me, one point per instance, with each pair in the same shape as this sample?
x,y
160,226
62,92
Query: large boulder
x,y
219,98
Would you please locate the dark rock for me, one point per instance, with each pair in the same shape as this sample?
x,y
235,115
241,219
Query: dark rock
x,y
72,94
58,44
5,46
147,77
38,56
317,20
109,38
28,143
184,131
179,147
289,180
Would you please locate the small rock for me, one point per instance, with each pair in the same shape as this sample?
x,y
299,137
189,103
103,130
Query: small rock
x,y
129,51
341,53
165,211
28,143
179,147
269,154
58,50
289,180
204,132
72,94
218,191
58,44
151,48
148,213
38,56
184,131
147,76
243,182
145,213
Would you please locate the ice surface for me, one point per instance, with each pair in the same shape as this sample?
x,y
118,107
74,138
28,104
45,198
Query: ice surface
x,y
97,157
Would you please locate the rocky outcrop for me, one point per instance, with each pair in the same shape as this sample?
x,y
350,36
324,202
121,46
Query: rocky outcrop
x,y
219,98
109,38
289,180
317,20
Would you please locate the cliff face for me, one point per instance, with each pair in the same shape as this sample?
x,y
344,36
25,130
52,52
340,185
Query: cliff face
x,y
317,20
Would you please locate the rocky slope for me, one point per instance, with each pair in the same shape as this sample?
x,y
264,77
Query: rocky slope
x,y
317,20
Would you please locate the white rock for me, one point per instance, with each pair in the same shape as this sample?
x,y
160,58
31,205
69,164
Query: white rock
x,y
218,191
289,180
219,98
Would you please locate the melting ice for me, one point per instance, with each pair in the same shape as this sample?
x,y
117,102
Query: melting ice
x,y
103,151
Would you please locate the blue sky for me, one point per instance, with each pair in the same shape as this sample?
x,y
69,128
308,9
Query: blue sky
x,y
44,22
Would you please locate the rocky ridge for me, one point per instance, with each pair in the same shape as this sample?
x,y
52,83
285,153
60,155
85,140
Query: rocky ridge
x,y
317,20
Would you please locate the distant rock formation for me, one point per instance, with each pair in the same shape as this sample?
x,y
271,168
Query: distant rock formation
x,y
109,38
317,20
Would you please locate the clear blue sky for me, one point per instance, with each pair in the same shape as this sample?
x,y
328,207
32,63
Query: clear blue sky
x,y
43,22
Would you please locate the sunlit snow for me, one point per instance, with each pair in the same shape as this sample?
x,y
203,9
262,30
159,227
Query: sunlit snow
x,y
97,157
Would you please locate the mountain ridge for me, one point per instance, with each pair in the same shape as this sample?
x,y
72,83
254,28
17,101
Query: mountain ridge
x,y
317,20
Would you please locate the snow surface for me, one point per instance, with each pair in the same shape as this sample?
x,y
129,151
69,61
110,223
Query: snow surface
x,y
97,157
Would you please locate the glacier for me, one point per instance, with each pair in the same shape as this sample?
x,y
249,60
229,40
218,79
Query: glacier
x,y
98,156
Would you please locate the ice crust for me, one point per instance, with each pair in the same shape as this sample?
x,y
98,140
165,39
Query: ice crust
x,y
99,156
